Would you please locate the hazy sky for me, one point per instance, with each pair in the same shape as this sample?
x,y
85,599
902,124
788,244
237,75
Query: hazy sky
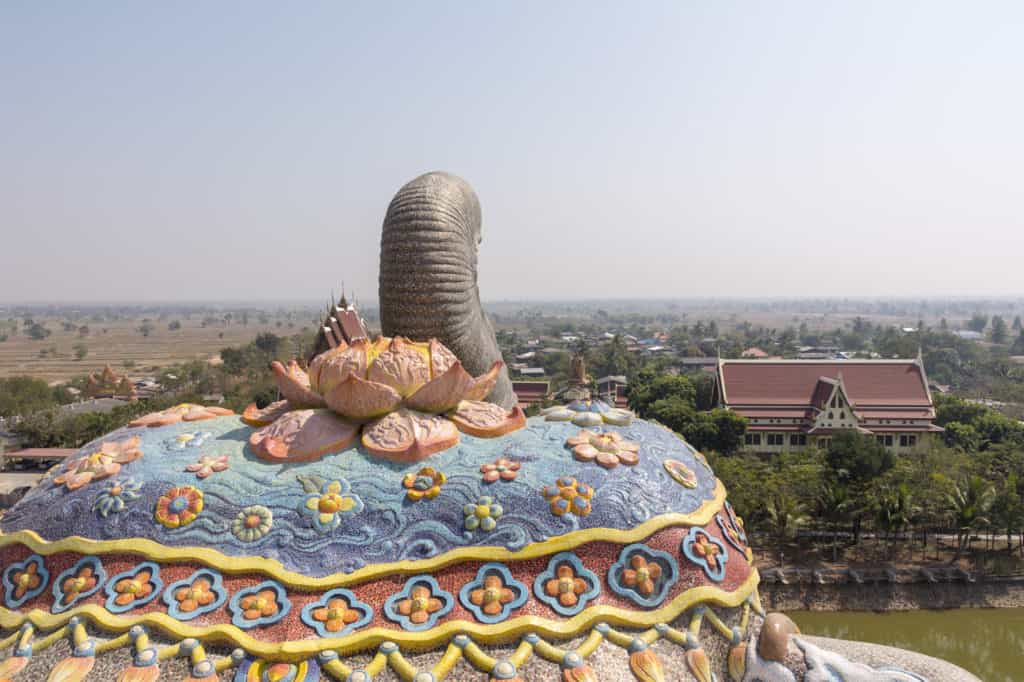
x,y
166,151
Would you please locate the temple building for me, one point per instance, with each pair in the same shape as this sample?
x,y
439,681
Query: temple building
x,y
793,404
341,324
109,385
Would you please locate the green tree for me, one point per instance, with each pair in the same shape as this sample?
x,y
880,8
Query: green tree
x,y
858,458
81,350
833,506
1008,508
968,507
37,332
174,325
786,517
999,329
978,322
895,510
20,396
962,436
146,328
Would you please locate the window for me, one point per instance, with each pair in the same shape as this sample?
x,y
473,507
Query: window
x,y
825,442
798,439
830,416
908,441
752,439
912,440
888,441
880,439
776,439
842,414
833,403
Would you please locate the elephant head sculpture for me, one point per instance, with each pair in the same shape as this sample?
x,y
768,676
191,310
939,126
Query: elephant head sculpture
x,y
428,274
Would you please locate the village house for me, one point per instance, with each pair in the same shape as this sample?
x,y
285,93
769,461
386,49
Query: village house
x,y
794,404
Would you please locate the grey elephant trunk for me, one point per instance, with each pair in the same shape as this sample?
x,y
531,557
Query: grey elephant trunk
x,y
428,285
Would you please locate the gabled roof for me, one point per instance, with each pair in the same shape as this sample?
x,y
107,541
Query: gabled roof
x,y
799,383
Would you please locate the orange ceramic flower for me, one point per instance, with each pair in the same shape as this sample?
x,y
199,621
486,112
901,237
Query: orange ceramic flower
x,y
103,462
26,580
194,596
83,581
420,604
641,575
503,469
179,506
135,588
425,483
706,549
259,605
184,412
336,615
608,449
492,596
566,586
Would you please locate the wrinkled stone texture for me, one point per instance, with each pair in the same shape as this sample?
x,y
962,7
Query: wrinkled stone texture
x,y
428,276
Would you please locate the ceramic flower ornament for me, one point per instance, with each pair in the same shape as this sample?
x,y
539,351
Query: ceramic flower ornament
x,y
103,462
409,400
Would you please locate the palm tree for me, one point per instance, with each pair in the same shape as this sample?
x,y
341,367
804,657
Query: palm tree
x,y
785,518
968,506
895,510
834,505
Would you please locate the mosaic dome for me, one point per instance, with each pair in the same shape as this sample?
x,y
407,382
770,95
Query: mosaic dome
x,y
395,515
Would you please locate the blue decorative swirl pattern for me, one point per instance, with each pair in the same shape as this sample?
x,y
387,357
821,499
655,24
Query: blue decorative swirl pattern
x,y
388,528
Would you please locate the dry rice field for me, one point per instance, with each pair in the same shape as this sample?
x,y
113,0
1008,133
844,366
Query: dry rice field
x,y
119,342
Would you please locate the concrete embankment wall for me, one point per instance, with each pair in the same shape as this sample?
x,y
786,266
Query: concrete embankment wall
x,y
809,596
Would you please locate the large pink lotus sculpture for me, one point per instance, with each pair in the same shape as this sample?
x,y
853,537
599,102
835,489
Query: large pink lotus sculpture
x,y
409,399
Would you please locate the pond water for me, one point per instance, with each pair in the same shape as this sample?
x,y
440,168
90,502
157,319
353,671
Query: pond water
x,y
987,642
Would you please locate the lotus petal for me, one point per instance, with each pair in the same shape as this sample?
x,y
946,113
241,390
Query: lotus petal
x,y
443,392
293,383
407,436
440,357
558,413
700,667
404,366
71,669
618,417
331,368
135,673
646,666
738,662
587,419
12,666
253,416
199,413
303,435
360,399
581,673
487,420
484,384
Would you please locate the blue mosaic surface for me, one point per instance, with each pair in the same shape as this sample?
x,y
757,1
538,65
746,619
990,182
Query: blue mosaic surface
x,y
388,527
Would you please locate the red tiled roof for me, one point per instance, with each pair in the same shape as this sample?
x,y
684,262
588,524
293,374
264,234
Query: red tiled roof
x,y
795,383
42,453
531,388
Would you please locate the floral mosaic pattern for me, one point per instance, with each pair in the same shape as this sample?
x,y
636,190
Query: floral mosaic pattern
x,y
252,523
608,449
424,484
501,469
566,585
337,613
419,605
483,515
680,473
115,497
103,462
206,465
189,439
568,497
591,412
179,506
77,583
328,507
493,594
643,575
259,605
707,552
201,592
134,588
24,580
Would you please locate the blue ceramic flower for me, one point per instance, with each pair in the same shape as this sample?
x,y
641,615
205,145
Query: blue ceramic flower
x,y
419,605
707,552
200,593
115,497
77,583
24,580
327,507
566,585
258,605
337,613
134,588
643,575
494,594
